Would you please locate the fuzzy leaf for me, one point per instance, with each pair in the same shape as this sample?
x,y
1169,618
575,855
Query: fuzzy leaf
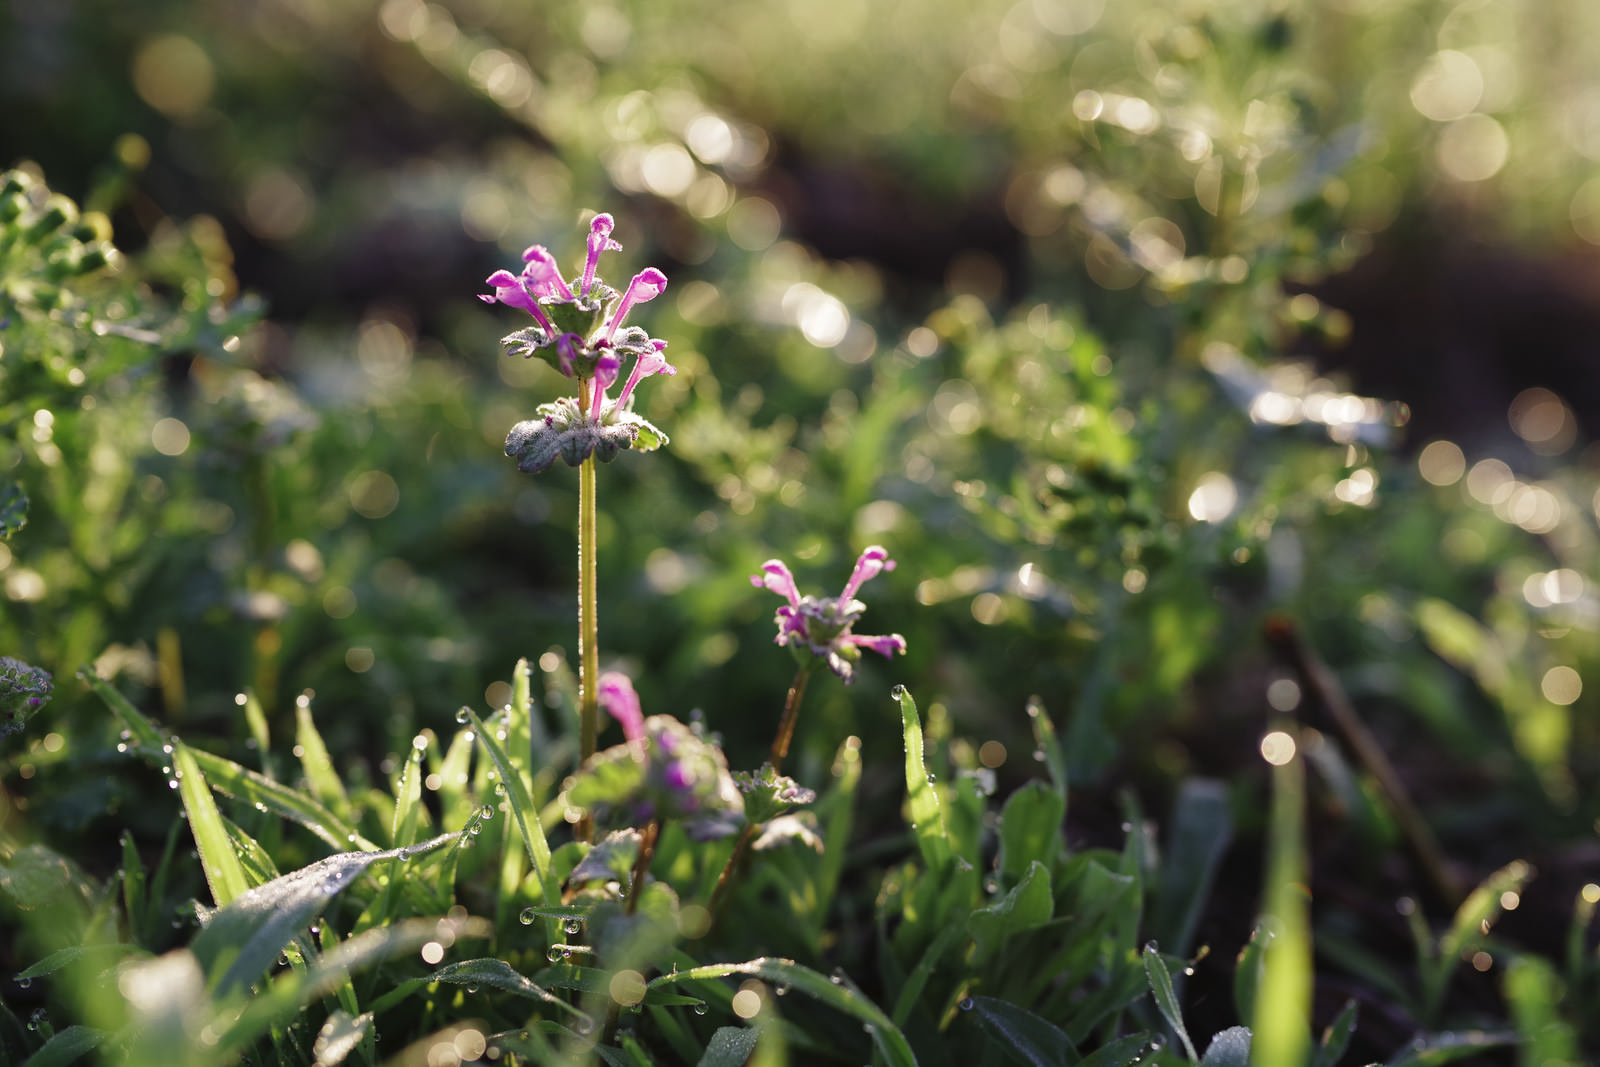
x,y
242,940
1228,1048
731,1046
1155,969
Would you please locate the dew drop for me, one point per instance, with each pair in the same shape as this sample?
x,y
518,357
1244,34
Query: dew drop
x,y
966,1003
557,953
24,983
898,692
527,917
472,989
932,778
475,829
583,1025
782,990
699,1007
573,926
464,716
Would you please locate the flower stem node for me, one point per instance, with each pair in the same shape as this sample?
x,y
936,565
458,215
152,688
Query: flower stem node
x,y
563,431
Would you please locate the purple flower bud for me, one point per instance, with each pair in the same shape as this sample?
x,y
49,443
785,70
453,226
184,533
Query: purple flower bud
x,y
542,276
646,285
569,346
617,696
599,241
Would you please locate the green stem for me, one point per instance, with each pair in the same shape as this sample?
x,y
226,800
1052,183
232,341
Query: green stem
x,y
791,712
588,624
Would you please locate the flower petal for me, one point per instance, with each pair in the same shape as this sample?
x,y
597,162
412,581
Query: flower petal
x,y
776,576
873,561
616,694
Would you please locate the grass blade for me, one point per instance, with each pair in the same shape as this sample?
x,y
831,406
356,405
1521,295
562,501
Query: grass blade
x,y
231,779
927,820
67,1046
224,873
888,1038
314,759
522,809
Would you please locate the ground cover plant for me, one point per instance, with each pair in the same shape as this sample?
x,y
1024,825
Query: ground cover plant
x,y
1000,642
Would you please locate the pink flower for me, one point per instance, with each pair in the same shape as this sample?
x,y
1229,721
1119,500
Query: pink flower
x,y
821,626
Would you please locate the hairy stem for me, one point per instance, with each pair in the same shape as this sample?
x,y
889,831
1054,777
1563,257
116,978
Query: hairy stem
x,y
588,624
791,712
730,872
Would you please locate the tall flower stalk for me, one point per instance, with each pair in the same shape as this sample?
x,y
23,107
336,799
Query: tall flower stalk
x,y
579,329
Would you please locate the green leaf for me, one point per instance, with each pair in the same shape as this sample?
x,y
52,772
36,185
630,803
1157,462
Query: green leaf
x,y
65,957
911,989
224,874
1046,741
339,1036
731,1046
1155,969
242,940
1481,907
1027,906
1228,1048
1249,970
926,819
1030,829
485,972
285,996
1023,1034
1201,830
1534,993
1123,1052
1336,1038
523,809
1434,1049
314,759
145,734
234,780
888,1038
66,1046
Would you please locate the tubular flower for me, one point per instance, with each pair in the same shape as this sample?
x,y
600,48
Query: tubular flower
x,y
820,627
578,329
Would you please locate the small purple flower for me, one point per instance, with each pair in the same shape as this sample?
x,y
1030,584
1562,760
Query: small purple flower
x,y
821,626
599,241
645,286
621,702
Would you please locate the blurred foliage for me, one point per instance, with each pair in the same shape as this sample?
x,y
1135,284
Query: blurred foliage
x,y
1012,289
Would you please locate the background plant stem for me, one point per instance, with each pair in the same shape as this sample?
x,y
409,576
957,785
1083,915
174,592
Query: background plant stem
x,y
791,712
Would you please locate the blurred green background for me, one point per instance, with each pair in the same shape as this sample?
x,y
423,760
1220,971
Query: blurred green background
x,y
1079,307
